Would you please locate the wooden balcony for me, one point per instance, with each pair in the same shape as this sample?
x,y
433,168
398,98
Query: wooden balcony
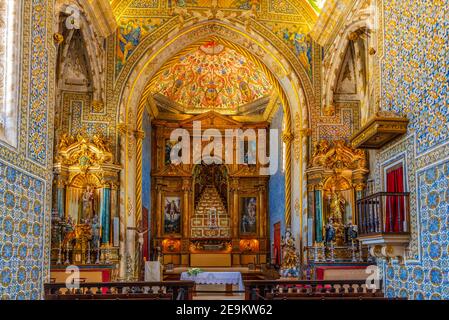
x,y
379,131
384,223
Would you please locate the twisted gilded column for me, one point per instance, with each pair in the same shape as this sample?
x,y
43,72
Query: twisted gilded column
x,y
139,135
287,138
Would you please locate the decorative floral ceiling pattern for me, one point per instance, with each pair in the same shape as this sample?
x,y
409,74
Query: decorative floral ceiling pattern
x,y
290,20
213,77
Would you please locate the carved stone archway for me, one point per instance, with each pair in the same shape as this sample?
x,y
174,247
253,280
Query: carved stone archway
x,y
132,92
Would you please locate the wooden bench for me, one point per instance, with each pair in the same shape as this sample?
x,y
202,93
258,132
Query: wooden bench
x,y
166,290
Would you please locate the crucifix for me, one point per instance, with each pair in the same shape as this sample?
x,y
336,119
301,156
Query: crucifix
x,y
140,233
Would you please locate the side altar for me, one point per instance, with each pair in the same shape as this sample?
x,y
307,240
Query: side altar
x,y
85,218
336,178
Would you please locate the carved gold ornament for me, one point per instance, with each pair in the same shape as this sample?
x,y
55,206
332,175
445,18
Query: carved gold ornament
x,y
82,151
338,156
58,38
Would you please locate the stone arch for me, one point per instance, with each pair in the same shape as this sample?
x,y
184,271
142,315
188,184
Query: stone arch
x,y
92,42
132,83
334,62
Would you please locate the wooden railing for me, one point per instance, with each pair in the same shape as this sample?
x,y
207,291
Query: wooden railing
x,y
384,212
167,290
305,289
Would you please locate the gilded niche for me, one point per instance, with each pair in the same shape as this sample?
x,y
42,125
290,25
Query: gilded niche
x,y
337,155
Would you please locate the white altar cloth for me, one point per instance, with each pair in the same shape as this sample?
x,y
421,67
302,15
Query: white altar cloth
x,y
234,278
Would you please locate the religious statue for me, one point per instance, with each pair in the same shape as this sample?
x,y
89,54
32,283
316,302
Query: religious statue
x,y
330,232
289,256
101,143
351,232
337,213
96,231
140,233
337,207
88,201
64,141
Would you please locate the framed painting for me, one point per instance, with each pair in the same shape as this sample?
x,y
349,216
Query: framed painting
x,y
248,215
172,215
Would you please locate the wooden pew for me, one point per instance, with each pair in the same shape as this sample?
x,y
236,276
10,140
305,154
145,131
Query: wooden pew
x,y
166,290
315,290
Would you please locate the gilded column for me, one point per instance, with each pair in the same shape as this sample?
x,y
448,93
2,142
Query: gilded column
x,y
186,212
159,210
262,212
287,138
139,135
235,207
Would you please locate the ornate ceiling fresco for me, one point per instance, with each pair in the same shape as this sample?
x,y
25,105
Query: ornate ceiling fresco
x,y
212,77
290,20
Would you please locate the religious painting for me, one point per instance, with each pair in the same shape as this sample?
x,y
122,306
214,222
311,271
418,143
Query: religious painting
x,y
248,215
131,31
172,215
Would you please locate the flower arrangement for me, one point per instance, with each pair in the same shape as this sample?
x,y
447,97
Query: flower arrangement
x,y
194,271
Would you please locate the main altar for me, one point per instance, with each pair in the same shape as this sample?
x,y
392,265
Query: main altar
x,y
208,215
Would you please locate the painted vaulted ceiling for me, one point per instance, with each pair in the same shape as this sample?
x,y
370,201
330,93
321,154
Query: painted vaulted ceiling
x,y
235,80
212,77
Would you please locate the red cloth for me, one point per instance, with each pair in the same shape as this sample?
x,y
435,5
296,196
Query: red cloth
x,y
394,218
105,277
321,270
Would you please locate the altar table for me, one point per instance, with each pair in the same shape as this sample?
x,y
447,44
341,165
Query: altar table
x,y
227,278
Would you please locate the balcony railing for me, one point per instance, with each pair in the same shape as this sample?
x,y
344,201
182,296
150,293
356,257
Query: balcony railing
x,y
384,213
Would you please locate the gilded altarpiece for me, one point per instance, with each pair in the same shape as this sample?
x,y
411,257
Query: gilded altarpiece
x,y
336,179
221,208
85,216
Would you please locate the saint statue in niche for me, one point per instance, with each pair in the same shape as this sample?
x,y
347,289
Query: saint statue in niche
x,y
330,232
248,207
337,214
88,205
337,206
